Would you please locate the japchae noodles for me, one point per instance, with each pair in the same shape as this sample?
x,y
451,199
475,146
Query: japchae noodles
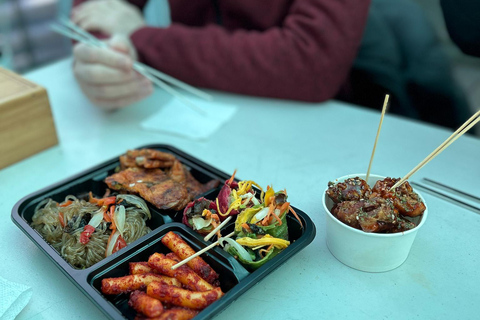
x,y
85,232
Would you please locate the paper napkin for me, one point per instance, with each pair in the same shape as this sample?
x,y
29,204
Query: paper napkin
x,y
13,298
195,122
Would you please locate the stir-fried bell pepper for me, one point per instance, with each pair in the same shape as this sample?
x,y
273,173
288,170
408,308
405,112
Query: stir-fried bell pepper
x,y
254,253
119,244
200,215
86,234
235,196
261,231
266,218
263,241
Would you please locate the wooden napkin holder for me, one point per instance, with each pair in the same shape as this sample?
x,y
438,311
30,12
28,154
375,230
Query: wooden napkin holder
x,y
26,122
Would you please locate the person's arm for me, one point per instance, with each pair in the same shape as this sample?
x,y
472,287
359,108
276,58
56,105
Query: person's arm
x,y
462,18
307,58
138,3
107,17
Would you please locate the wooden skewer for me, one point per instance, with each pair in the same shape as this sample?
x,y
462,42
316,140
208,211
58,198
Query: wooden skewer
x,y
212,233
136,65
457,134
385,103
181,263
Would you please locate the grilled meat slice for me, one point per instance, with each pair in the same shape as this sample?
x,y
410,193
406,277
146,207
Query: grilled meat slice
x,y
146,158
181,174
153,185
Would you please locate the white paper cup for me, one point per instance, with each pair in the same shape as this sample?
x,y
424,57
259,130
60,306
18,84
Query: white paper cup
x,y
371,252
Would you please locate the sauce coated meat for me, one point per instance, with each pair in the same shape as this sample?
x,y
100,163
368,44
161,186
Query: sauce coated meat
x,y
352,189
375,210
405,200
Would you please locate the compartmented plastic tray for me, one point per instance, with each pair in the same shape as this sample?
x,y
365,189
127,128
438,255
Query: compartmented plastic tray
x,y
234,278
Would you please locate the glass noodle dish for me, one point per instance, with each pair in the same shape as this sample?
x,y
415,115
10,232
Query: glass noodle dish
x,y
85,232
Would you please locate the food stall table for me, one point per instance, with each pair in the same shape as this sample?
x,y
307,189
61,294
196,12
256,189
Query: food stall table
x,y
288,144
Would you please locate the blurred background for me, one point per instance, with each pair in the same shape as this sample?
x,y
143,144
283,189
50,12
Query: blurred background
x,y
26,41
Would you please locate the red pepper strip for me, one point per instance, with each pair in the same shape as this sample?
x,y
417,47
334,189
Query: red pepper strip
x,y
65,204
108,201
60,218
119,244
101,202
113,226
86,234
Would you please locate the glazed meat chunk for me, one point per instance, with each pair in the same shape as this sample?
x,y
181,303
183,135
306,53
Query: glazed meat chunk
x,y
349,190
405,200
347,212
378,215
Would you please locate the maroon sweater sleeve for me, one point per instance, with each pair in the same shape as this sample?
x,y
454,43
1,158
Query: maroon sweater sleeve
x,y
307,57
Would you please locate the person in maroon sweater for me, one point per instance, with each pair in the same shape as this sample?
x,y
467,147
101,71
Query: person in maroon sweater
x,y
288,49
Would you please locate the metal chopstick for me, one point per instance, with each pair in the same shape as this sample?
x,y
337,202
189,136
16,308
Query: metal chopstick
x,y
459,192
446,197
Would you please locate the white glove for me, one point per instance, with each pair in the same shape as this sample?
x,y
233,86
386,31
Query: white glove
x,y
106,75
108,16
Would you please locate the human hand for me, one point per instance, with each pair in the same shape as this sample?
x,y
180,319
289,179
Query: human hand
x,y
108,16
106,75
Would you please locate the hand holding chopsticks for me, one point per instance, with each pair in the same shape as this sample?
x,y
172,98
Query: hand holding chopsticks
x,y
72,31
457,134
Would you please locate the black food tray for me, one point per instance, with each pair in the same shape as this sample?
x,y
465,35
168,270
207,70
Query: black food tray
x,y
234,278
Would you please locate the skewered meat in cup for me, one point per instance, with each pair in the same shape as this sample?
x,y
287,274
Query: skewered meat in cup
x,y
405,200
375,210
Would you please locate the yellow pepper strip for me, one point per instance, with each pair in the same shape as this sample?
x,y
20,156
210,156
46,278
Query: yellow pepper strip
x,y
245,216
235,205
234,194
268,196
261,190
246,186
265,240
